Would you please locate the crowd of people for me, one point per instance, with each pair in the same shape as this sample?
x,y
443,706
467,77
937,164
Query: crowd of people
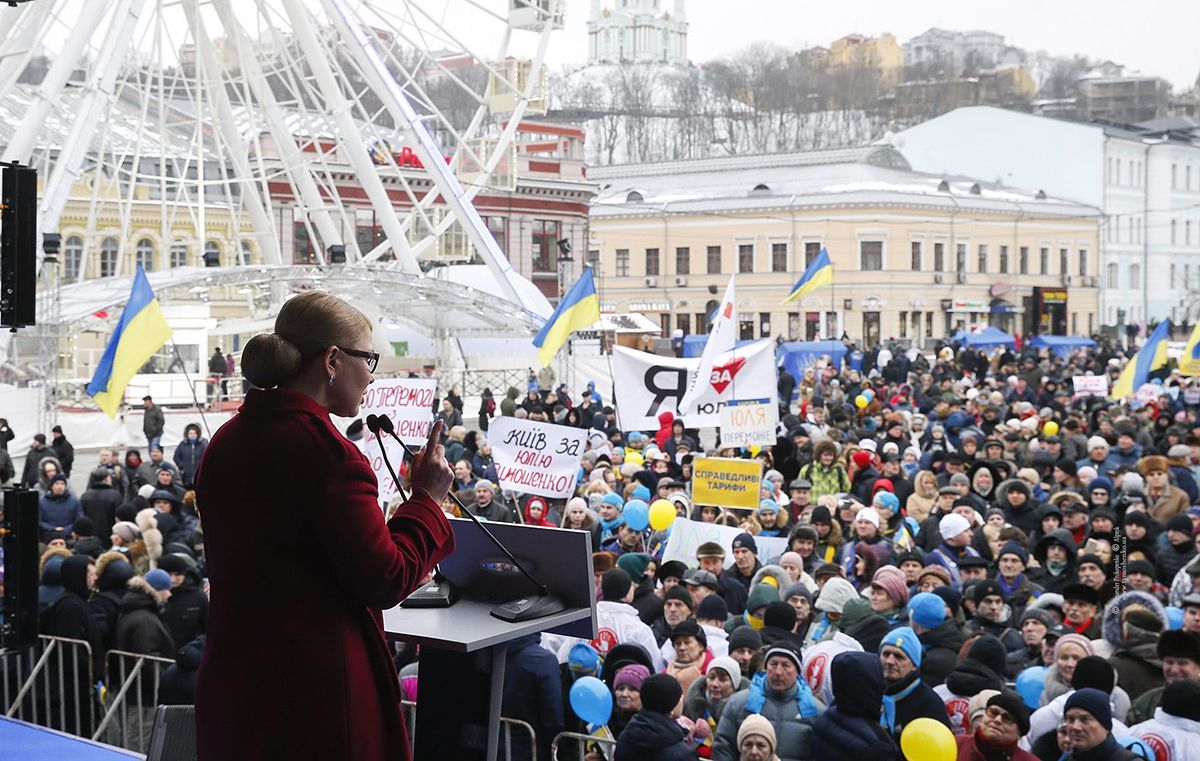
x,y
966,541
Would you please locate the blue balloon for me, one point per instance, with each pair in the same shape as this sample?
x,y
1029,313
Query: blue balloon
x,y
1174,617
1030,684
591,700
636,514
1138,746
870,394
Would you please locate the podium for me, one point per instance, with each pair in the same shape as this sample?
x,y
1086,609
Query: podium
x,y
462,648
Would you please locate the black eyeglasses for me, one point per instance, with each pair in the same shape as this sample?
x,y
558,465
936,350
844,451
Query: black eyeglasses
x,y
371,356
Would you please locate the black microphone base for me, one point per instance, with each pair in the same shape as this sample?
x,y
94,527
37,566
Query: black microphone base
x,y
529,608
435,594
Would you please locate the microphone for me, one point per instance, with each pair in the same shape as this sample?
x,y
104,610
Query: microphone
x,y
374,425
524,609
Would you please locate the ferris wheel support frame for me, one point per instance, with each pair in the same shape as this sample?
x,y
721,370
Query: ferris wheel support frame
x,y
22,20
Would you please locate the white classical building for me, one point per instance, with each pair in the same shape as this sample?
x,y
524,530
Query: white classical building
x,y
637,31
1146,182
953,48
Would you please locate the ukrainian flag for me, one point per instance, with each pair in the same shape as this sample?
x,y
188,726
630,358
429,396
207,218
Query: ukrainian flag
x,y
1149,358
578,310
1189,361
818,274
141,331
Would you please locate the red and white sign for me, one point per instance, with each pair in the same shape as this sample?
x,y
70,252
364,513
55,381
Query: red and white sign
x,y
409,404
536,458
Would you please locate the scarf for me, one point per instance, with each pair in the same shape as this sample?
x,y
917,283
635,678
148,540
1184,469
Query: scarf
x,y
817,633
1056,567
608,528
888,719
754,622
1009,589
805,703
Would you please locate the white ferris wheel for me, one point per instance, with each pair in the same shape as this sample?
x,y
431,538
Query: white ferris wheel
x,y
203,104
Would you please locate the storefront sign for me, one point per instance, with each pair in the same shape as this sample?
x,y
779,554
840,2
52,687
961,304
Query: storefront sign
x,y
649,306
1054,296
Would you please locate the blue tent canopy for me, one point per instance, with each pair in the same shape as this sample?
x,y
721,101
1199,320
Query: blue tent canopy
x,y
797,355
693,346
988,338
1062,345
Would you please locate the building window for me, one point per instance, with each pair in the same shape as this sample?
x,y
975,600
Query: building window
x,y
302,248
212,254
960,257
1135,276
683,261
622,262
1187,232
779,257
1004,260
1111,276
179,254
1044,261
714,260
545,242
1064,265
1174,177
145,254
870,255
746,257
904,324
916,259
651,261
983,256
1172,232
929,324
593,258
108,257
1187,177
810,252
1023,255
497,226
1083,264
684,323
939,257
73,258
764,324
1171,279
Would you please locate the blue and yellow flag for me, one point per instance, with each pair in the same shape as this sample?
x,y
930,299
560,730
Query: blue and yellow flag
x,y
818,274
1189,361
1149,358
578,310
141,331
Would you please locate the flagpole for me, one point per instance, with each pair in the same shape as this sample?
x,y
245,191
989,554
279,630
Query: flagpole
x,y
191,386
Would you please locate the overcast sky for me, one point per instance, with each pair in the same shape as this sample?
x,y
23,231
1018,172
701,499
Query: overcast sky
x,y
1161,37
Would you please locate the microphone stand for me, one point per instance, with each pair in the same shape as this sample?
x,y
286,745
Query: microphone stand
x,y
524,609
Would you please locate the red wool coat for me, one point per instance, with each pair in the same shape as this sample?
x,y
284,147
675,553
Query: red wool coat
x,y
301,564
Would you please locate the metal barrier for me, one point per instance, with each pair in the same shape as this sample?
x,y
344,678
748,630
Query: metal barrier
x,y
606,748
133,680
507,727
51,684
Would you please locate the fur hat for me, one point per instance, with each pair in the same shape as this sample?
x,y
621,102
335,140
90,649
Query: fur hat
x,y
1152,463
1177,643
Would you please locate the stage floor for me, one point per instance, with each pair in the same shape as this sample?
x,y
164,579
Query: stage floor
x,y
21,741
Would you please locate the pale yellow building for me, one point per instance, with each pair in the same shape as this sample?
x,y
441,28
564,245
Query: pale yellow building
x,y
915,256
881,53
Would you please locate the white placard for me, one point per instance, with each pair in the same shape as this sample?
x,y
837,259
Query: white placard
x,y
536,458
688,535
409,404
749,423
649,384
1090,385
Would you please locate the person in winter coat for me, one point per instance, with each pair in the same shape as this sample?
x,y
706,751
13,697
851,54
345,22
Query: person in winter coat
x,y
508,405
113,572
177,685
63,449
905,696
993,616
641,566
189,453
1179,651
708,695
101,500
1163,500
71,617
532,693
782,697
1005,720
1055,553
141,630
1094,672
940,637
1179,551
825,475
58,509
1175,727
1015,498
186,613
850,728
1131,624
982,669
1089,724
153,422
653,733
617,621
33,461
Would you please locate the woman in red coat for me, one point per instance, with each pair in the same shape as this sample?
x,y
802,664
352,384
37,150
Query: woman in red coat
x,y
300,560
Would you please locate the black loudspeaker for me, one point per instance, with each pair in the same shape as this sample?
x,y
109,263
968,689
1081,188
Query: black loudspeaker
x,y
19,527
173,737
337,254
18,246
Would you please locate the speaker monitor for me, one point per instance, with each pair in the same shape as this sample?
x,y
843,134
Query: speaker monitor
x,y
18,246
20,540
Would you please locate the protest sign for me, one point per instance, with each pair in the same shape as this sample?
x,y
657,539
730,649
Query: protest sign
x,y
536,458
649,384
409,404
1090,385
726,482
749,422
688,535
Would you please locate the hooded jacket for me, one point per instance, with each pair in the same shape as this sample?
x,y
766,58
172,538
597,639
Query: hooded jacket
x,y
618,623
650,734
850,728
188,455
1042,576
177,686
982,669
113,572
1135,657
1024,517
141,630
532,692
941,645
55,511
508,405
100,502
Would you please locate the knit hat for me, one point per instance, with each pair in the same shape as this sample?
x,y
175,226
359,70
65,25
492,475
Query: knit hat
x,y
792,558
1097,442
906,640
1014,547
634,675
84,526
927,609
1095,672
635,564
1066,465
745,540
681,594
615,584
1071,638
787,650
1094,702
672,569
1100,483
952,525
820,514
729,666
712,608
867,514
989,651
710,550
978,705
756,725
951,597
761,596
894,587
987,588
608,499
640,493
1141,566
689,628
768,506
780,615
796,590
1012,703
1181,699
745,636
862,459
159,579
661,693
127,530
483,483
583,660
1037,614
1180,523
935,570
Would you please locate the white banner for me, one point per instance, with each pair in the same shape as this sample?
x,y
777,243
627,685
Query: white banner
x,y
1090,385
649,384
749,422
688,535
409,403
536,458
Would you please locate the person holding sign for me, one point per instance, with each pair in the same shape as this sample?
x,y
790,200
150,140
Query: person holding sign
x,y
331,564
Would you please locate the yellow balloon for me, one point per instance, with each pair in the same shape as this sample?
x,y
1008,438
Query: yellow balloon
x,y
861,401
1050,428
928,740
635,457
662,514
